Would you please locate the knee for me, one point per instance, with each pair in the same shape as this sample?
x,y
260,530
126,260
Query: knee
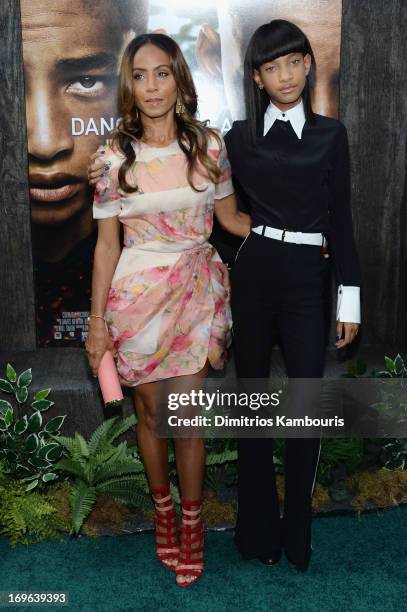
x,y
149,420
146,414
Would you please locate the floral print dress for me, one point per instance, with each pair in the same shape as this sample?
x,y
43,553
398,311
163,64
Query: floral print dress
x,y
168,306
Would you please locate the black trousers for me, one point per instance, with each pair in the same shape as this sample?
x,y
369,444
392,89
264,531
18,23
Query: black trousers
x,y
278,290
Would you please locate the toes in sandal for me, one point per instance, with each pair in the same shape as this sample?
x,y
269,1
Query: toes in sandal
x,y
167,547
191,544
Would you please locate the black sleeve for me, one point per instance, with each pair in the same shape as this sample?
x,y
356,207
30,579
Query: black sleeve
x,y
226,244
343,249
230,138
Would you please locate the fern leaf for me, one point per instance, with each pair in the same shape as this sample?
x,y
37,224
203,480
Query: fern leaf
x,y
72,467
81,445
106,472
83,498
103,457
66,442
219,458
134,498
122,483
121,427
110,456
100,434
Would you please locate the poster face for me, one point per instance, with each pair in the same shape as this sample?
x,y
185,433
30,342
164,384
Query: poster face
x,y
72,50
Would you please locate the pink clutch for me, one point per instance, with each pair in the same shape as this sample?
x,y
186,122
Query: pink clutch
x,y
109,381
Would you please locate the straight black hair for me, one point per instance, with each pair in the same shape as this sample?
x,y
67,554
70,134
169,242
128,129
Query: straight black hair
x,y
270,41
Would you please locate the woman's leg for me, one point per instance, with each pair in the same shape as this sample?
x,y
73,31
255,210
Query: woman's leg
x,y
190,461
302,330
153,450
154,453
189,451
258,525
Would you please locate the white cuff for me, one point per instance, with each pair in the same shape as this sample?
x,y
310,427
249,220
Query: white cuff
x,y
348,304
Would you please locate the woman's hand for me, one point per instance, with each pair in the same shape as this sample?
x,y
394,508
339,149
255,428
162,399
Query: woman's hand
x,y
97,343
96,168
348,331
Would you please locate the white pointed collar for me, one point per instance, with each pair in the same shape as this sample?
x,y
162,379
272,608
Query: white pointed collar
x,y
295,115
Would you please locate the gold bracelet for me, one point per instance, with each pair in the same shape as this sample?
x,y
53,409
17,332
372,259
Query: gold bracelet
x,y
93,316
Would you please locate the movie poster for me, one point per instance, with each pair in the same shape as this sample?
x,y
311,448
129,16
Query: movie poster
x,y
72,50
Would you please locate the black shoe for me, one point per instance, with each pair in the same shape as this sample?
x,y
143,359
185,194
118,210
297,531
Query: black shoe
x,y
271,558
301,566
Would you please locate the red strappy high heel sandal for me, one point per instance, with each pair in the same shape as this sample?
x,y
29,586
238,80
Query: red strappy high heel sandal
x,y
192,533
165,527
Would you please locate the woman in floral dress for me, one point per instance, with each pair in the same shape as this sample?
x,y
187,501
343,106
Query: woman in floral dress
x,y
162,302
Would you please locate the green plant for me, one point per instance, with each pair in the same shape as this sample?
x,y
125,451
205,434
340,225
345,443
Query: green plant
x,y
394,453
393,403
100,468
394,368
388,452
25,443
221,469
336,452
26,518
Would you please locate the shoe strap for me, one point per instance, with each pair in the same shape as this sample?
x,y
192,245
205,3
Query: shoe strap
x,y
191,512
165,529
192,539
166,551
159,500
164,508
165,521
191,523
189,566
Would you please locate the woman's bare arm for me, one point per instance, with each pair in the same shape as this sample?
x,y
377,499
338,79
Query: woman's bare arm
x,y
231,218
107,253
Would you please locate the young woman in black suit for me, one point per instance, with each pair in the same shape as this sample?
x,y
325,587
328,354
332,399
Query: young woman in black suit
x,y
292,166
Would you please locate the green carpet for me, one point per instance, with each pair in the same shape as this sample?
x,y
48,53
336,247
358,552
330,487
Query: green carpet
x,y
358,564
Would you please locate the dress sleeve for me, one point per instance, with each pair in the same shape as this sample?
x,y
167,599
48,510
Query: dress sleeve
x,y
106,201
224,186
345,257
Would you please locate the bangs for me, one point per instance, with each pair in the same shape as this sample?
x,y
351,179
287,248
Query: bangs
x,y
273,40
270,41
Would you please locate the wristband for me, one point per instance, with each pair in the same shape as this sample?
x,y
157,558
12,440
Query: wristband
x,y
92,316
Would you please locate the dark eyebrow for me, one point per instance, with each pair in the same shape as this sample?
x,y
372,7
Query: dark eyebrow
x,y
156,67
87,62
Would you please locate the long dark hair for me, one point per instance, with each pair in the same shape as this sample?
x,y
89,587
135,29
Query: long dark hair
x,y
272,40
192,134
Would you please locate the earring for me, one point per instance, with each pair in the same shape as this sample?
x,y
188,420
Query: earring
x,y
260,86
179,107
137,116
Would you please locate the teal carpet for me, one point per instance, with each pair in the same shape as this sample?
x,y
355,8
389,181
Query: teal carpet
x,y
358,564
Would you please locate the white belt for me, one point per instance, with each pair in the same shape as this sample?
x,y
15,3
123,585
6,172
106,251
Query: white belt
x,y
316,239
